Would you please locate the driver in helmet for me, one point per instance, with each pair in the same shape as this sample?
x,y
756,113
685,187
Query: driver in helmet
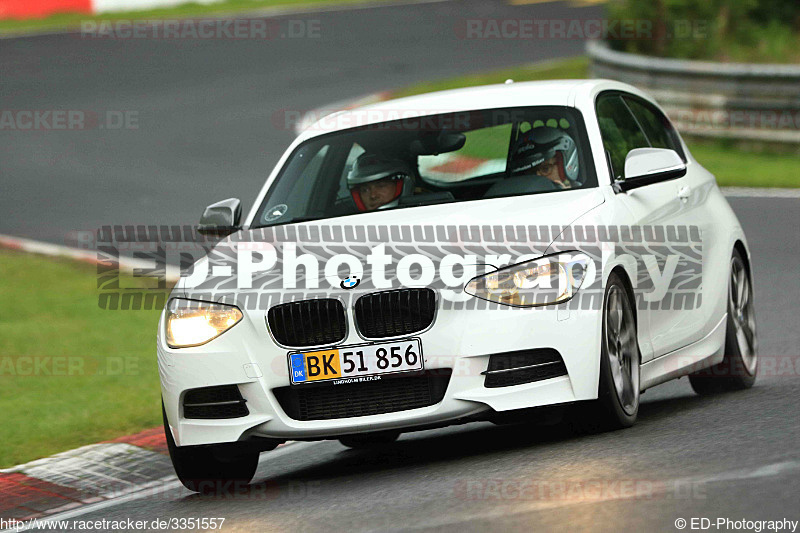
x,y
549,153
378,182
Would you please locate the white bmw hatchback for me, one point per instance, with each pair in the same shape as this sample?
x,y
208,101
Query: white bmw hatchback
x,y
475,254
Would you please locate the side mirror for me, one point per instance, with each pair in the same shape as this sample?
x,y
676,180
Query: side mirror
x,y
221,218
644,166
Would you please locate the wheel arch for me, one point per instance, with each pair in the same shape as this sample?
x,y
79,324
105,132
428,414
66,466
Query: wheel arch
x,y
626,281
742,249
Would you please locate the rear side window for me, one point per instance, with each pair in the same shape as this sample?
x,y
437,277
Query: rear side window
x,y
658,128
620,130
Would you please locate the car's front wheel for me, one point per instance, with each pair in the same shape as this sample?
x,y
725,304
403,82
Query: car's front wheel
x,y
617,404
619,363
739,367
211,469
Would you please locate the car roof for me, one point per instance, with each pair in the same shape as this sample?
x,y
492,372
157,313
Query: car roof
x,y
517,94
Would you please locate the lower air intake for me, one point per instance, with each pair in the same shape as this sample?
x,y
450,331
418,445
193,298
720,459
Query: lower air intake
x,y
525,366
387,395
224,401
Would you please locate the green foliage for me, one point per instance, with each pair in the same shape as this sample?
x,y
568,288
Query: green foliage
x,y
734,166
722,30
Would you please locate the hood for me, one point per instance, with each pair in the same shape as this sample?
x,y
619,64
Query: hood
x,y
427,245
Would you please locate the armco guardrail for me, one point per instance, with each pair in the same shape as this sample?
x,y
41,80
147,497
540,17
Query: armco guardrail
x,y
753,102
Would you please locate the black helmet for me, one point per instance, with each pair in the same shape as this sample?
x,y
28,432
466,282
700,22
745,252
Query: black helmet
x,y
540,144
372,167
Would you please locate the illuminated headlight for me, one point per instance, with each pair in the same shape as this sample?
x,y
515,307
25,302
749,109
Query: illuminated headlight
x,y
192,322
548,280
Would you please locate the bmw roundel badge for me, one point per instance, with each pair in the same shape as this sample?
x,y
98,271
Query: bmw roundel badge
x,y
350,282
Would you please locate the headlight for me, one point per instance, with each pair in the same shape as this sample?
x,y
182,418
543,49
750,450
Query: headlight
x,y
192,322
548,280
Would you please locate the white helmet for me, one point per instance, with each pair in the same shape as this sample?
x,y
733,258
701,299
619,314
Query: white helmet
x,y
540,144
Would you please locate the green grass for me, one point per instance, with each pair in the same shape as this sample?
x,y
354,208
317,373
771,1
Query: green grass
x,y
73,20
50,308
732,165
487,143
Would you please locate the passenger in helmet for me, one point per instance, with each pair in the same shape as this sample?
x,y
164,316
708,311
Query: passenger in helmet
x,y
547,152
378,182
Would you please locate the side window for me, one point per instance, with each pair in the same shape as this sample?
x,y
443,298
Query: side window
x,y
620,131
659,131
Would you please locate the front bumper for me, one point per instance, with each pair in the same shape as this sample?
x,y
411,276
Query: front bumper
x,y
461,340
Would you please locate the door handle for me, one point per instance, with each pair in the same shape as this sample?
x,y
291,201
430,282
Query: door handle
x,y
684,192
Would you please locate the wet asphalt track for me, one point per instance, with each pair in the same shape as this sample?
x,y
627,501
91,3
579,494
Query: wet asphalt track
x,y
206,132
734,455
211,112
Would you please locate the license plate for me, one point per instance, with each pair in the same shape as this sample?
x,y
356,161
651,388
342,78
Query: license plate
x,y
357,361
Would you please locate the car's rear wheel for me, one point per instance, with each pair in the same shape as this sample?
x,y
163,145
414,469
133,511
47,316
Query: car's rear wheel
x,y
617,404
211,469
370,440
738,369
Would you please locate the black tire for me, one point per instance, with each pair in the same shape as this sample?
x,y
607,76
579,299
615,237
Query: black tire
x,y
369,440
619,367
210,469
739,368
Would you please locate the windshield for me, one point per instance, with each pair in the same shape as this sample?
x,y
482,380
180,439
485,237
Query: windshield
x,y
453,157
